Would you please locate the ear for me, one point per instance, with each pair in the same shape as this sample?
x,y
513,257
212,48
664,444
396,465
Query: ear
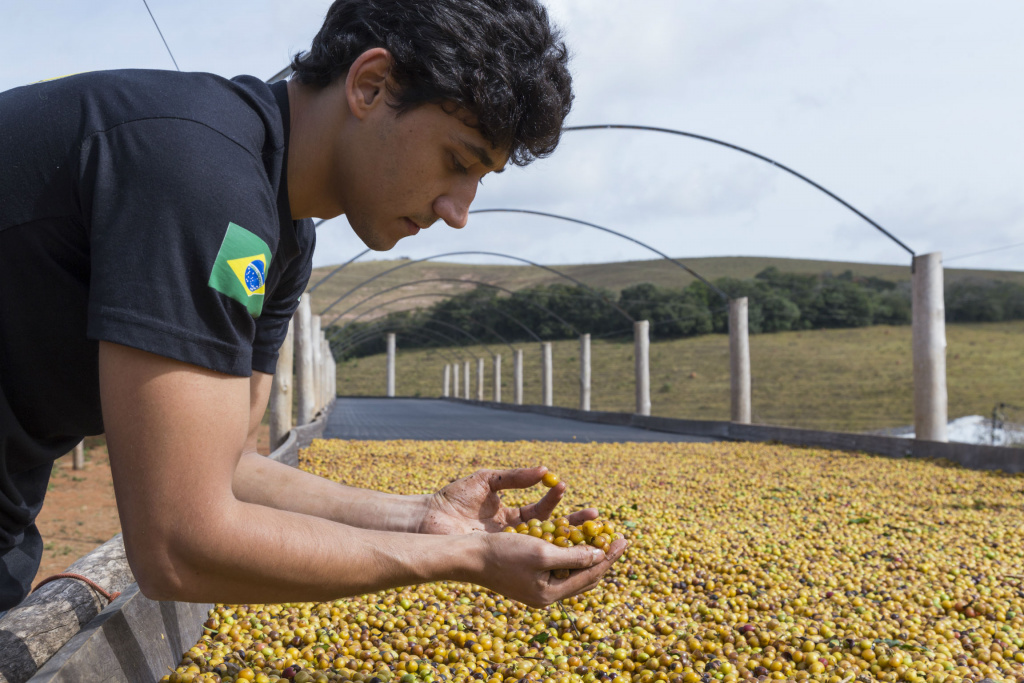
x,y
366,82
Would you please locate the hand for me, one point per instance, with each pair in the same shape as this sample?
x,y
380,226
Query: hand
x,y
474,503
522,567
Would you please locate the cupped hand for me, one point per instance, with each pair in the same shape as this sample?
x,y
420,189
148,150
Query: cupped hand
x,y
474,503
522,567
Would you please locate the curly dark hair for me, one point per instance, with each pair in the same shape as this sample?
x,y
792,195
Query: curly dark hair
x,y
499,60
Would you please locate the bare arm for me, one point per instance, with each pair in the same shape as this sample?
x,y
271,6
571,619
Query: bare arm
x,y
176,433
263,481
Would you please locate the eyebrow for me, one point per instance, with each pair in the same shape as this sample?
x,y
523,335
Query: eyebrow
x,y
479,152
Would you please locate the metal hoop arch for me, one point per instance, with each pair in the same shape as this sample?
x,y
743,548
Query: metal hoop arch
x,y
450,279
613,232
372,334
384,325
723,143
482,253
417,296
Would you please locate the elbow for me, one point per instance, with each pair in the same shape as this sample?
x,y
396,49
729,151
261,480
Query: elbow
x,y
154,567
179,557
167,565
158,587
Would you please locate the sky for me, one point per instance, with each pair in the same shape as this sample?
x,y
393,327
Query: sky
x,y
911,111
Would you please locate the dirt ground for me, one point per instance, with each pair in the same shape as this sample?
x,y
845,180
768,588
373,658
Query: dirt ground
x,y
79,512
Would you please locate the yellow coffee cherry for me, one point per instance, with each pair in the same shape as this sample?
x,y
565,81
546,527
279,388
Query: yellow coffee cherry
x,y
741,556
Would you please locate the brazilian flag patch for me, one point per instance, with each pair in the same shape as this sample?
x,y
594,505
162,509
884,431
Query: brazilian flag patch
x,y
240,270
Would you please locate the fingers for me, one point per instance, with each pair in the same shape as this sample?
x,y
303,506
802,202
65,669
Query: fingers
x,y
581,516
587,578
577,557
522,478
523,568
543,508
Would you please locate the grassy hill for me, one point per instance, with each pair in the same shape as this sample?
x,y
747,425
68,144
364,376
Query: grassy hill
x,y
847,380
613,276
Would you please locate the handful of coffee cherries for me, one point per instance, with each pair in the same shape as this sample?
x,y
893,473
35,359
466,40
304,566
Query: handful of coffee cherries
x,y
562,533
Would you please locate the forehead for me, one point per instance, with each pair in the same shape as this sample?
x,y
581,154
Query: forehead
x,y
457,126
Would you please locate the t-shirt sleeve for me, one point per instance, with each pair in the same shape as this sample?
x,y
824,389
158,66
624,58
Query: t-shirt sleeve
x,y
272,326
183,229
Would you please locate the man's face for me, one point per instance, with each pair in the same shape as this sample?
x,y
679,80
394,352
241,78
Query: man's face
x,y
407,171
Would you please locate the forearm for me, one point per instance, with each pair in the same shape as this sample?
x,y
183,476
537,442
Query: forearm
x,y
201,526
262,481
246,553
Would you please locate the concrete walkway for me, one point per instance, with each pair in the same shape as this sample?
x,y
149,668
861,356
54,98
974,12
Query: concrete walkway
x,y
430,420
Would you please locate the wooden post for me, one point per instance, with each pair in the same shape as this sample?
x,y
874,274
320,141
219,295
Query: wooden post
x,y
497,378
330,389
78,457
318,352
546,374
480,379
328,384
320,374
455,379
447,380
928,326
466,380
642,357
318,368
517,377
739,361
304,363
585,372
391,364
281,390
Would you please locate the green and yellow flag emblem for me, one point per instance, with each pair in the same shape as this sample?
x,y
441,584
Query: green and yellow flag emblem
x,y
240,270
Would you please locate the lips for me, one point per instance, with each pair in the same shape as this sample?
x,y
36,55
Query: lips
x,y
412,227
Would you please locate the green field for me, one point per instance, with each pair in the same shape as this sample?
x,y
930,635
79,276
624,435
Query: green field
x,y
845,380
613,276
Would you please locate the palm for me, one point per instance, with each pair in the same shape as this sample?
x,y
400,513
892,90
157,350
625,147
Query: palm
x,y
465,506
474,504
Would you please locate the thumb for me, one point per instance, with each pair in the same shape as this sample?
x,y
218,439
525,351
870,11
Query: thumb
x,y
577,557
522,478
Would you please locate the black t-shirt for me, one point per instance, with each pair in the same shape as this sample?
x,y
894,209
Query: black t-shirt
x,y
146,208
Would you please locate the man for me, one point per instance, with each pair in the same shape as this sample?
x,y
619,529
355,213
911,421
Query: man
x,y
154,242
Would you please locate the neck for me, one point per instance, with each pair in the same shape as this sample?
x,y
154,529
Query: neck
x,y
315,116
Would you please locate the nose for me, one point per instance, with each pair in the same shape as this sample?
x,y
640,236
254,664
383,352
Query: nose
x,y
453,206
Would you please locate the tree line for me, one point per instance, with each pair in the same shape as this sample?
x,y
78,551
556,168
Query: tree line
x,y
777,302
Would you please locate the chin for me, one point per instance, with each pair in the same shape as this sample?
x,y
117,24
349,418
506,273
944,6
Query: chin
x,y
380,246
376,241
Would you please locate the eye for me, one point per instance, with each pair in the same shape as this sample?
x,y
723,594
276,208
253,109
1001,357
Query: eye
x,y
459,168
